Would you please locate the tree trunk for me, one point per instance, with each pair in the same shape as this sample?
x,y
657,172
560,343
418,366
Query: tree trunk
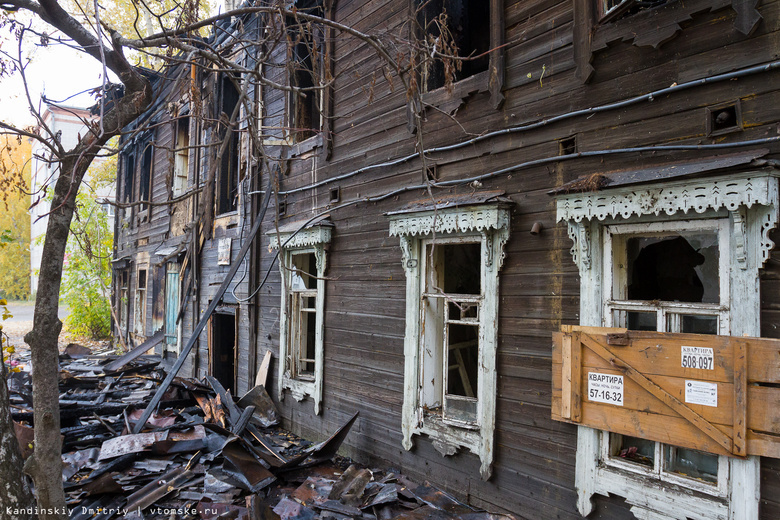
x,y
44,465
16,499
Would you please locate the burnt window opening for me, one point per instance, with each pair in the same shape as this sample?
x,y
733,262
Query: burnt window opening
x,y
464,24
223,349
145,179
610,10
139,316
306,54
282,208
724,119
227,180
158,297
567,146
182,157
129,178
123,302
335,194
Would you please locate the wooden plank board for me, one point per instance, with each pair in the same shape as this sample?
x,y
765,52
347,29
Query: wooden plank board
x,y
744,421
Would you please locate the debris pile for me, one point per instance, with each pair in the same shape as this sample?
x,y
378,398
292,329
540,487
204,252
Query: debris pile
x,y
203,454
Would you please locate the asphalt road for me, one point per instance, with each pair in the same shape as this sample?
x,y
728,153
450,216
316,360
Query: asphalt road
x,y
23,311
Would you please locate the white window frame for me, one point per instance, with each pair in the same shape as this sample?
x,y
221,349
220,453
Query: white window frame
x,y
301,241
748,202
487,225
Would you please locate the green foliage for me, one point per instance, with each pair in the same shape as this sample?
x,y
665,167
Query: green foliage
x,y
87,269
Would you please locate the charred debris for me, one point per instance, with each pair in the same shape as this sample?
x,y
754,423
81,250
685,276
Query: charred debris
x,y
203,453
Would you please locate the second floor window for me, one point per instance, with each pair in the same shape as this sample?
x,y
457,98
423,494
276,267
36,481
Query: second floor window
x,y
227,180
306,65
454,28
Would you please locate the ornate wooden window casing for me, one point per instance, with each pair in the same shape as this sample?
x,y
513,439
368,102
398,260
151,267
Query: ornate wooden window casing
x,y
302,323
725,221
452,257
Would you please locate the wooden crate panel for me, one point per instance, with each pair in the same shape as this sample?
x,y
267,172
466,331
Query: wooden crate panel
x,y
729,405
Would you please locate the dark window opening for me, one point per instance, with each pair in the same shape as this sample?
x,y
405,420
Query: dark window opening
x,y
462,264
567,146
303,286
127,195
610,10
305,72
227,180
335,194
465,24
282,209
432,173
674,268
724,119
223,349
158,298
146,172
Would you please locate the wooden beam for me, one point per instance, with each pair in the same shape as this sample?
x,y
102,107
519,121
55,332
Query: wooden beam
x,y
571,405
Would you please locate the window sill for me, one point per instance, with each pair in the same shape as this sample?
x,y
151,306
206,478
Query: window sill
x,y
444,96
448,438
299,389
306,146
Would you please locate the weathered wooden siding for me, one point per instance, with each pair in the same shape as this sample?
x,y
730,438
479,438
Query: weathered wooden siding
x,y
365,292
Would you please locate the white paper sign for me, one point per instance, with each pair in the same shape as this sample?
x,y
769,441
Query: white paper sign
x,y
701,392
697,357
605,388
223,251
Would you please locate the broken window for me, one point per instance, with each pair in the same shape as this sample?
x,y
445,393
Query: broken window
x,y
139,317
227,180
613,9
181,165
123,302
455,27
158,298
452,258
145,180
129,177
302,324
650,257
306,66
667,277
452,299
172,303
302,299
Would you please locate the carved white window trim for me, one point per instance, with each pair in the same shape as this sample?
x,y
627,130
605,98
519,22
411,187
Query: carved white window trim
x,y
488,225
750,201
309,240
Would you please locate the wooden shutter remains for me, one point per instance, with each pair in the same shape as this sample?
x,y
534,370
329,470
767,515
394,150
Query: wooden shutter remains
x,y
719,394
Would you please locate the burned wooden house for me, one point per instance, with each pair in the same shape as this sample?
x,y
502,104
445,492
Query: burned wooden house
x,y
411,249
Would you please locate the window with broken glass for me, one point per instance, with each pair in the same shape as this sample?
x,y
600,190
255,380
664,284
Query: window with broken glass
x,y
181,167
671,278
302,302
139,317
452,258
306,72
452,298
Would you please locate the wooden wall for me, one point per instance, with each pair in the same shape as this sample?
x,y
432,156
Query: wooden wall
x,y
365,293
534,461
